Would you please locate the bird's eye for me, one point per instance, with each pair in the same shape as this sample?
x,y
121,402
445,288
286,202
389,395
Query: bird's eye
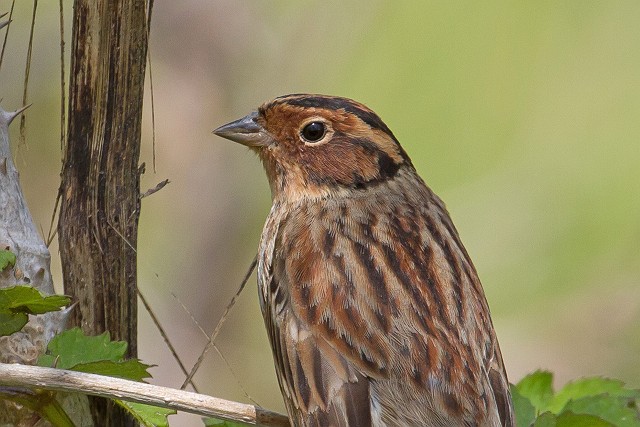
x,y
313,132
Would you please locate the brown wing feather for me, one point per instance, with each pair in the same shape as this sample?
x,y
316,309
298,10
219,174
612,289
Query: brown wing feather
x,y
326,390
500,389
319,386
379,290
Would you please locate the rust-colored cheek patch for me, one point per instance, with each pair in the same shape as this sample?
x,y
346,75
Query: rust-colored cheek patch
x,y
341,162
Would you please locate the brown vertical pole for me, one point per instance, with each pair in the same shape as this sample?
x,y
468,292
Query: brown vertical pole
x,y
100,188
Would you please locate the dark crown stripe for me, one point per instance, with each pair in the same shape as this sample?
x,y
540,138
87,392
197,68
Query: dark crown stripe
x,y
337,103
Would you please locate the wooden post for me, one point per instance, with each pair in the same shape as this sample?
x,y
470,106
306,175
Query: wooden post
x,y
100,202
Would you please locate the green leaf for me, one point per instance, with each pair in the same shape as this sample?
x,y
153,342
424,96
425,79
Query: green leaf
x,y
614,409
570,419
131,369
546,419
72,348
95,355
18,301
147,415
25,299
11,322
589,387
524,410
209,422
7,259
537,387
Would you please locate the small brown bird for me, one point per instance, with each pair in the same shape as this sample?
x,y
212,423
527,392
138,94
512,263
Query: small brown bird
x,y
374,310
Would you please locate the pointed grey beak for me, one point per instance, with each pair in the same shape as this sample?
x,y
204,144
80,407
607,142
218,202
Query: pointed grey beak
x,y
245,131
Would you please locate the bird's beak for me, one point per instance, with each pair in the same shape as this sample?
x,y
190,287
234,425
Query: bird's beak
x,y
245,131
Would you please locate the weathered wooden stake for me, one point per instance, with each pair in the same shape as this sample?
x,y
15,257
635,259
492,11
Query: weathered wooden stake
x,y
100,203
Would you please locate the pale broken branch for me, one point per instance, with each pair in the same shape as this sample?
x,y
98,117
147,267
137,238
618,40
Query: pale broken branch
x,y
16,375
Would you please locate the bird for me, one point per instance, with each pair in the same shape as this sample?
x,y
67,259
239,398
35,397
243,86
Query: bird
x,y
374,310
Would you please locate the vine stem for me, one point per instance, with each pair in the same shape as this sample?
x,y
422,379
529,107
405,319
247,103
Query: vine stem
x,y
115,388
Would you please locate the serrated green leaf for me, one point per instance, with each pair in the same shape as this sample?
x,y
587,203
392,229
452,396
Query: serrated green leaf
x,y
570,419
11,322
524,410
147,415
215,422
537,387
131,369
7,259
25,299
72,348
589,387
614,409
96,355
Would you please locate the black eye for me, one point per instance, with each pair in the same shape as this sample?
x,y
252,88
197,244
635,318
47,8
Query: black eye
x,y
313,132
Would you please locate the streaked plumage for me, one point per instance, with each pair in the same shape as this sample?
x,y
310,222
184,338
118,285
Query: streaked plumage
x,y
375,313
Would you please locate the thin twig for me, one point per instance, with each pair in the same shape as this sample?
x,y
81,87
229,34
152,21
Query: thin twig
x,y
4,23
216,348
153,110
213,336
165,337
62,86
131,391
155,189
27,71
51,234
235,376
124,239
191,316
149,11
153,104
6,34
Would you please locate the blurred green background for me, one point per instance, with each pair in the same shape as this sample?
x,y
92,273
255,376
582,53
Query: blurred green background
x,y
523,116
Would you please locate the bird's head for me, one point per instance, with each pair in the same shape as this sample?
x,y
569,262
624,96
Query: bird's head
x,y
314,145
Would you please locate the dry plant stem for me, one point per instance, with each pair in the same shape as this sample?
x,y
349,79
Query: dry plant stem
x,y
63,98
115,388
27,72
6,23
3,24
100,186
164,335
63,134
151,92
216,331
155,189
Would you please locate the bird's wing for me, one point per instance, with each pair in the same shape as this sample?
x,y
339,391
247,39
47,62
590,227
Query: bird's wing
x,y
500,388
378,294
319,386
